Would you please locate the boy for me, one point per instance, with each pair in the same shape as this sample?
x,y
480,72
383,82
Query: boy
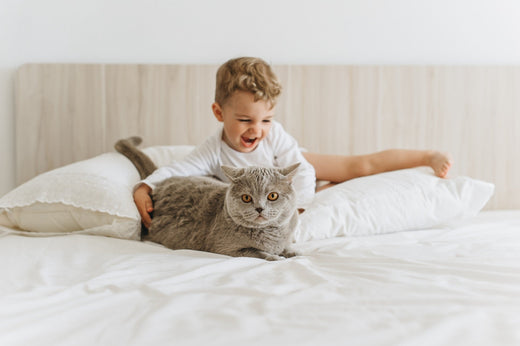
x,y
245,98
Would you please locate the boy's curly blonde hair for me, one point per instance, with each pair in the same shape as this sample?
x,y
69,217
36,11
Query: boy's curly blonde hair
x,y
247,74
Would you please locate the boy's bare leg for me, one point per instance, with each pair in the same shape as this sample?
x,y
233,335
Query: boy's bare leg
x,y
337,168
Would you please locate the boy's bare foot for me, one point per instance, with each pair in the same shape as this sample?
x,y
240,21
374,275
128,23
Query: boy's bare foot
x,y
440,162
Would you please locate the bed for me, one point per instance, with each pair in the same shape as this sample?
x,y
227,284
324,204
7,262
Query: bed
x,y
400,258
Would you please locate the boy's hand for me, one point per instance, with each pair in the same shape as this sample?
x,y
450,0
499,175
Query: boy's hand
x,y
144,204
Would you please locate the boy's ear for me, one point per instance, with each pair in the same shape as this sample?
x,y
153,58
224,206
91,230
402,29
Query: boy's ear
x,y
217,111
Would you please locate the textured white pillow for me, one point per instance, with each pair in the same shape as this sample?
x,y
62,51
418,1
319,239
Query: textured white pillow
x,y
391,202
93,196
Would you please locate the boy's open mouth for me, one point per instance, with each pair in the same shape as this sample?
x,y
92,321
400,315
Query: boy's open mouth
x,y
248,142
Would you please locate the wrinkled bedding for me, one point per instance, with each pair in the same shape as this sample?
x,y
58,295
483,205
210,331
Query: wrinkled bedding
x,y
454,285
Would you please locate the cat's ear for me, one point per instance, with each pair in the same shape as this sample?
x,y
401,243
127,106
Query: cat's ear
x,y
232,173
289,171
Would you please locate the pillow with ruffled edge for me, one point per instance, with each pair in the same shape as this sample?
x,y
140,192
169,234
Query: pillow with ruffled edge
x,y
389,202
93,196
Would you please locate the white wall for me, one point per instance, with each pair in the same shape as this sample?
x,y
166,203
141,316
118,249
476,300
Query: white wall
x,y
280,31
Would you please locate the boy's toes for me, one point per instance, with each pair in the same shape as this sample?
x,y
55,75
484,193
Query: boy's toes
x,y
442,173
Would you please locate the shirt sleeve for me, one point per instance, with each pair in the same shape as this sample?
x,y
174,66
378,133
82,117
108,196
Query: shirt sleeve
x,y
202,161
286,153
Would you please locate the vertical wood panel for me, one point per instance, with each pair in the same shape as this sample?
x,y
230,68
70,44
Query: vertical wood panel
x,y
59,110
165,104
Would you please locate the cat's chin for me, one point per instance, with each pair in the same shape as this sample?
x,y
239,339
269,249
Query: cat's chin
x,y
262,221
258,222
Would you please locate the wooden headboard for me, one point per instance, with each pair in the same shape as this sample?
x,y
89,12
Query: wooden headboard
x,y
69,112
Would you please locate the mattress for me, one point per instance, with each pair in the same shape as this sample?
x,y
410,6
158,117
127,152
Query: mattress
x,y
453,285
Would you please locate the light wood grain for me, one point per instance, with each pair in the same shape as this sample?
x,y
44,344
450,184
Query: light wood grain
x,y
163,104
59,109
66,113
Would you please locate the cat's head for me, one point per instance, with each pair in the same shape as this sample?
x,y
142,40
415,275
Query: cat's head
x,y
259,197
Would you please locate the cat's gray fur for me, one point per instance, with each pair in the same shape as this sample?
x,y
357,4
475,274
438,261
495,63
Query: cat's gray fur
x,y
206,214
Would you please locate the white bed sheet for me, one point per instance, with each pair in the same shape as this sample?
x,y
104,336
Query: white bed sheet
x,y
457,285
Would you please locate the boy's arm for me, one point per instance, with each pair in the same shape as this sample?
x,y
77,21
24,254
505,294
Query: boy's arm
x,y
287,152
200,162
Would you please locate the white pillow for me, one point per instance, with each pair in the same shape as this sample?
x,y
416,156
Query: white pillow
x,y
390,202
93,196
166,154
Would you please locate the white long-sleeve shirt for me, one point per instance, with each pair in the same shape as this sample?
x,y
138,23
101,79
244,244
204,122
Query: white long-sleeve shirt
x,y
278,149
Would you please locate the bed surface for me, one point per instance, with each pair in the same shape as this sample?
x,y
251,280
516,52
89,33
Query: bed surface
x,y
455,285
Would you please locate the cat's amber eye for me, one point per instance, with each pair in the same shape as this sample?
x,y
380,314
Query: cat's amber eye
x,y
273,196
247,198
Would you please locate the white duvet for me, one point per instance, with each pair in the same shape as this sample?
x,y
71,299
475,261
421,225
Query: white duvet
x,y
458,285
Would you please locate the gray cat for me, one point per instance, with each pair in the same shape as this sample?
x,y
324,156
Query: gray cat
x,y
254,216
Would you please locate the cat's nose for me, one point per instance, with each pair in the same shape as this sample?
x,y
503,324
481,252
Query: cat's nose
x,y
259,210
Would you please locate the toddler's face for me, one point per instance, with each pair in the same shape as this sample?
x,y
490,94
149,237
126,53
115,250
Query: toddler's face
x,y
246,122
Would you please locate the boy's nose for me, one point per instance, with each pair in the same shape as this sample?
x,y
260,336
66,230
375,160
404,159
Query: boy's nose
x,y
255,130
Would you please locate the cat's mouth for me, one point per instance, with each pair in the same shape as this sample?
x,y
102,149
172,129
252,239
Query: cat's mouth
x,y
259,219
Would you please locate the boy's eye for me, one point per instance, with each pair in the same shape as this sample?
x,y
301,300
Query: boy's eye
x,y
267,120
247,198
244,120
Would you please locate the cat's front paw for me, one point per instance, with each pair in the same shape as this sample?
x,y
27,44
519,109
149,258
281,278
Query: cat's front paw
x,y
271,257
287,253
